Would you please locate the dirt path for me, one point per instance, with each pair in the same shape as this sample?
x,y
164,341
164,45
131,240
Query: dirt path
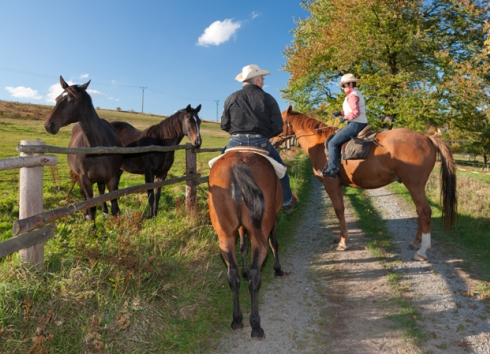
x,y
339,302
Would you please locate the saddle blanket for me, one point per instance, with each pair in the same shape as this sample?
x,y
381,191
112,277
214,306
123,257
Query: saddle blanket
x,y
280,169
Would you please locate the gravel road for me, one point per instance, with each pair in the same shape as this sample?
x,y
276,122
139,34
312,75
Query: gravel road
x,y
340,302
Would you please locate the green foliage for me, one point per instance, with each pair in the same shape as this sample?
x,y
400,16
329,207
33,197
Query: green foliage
x,y
420,62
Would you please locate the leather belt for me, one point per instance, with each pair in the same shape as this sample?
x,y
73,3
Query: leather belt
x,y
248,135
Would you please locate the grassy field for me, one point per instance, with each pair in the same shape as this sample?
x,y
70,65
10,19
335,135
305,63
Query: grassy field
x,y
129,284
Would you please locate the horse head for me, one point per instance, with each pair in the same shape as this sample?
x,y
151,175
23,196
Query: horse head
x,y
191,125
70,106
287,129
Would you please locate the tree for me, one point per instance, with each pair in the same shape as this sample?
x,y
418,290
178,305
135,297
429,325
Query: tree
x,y
420,62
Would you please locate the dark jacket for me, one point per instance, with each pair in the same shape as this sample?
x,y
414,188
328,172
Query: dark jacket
x,y
251,110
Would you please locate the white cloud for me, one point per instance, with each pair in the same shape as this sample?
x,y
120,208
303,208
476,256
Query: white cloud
x,y
218,32
83,76
23,92
255,14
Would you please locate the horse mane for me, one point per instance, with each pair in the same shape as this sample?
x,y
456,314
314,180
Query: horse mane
x,y
304,123
169,128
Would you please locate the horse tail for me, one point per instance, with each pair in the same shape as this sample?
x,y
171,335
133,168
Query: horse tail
x,y
448,195
245,188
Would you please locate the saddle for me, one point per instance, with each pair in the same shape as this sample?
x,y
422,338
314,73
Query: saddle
x,y
358,146
280,169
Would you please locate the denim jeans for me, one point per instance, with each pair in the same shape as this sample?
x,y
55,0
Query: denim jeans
x,y
334,145
263,143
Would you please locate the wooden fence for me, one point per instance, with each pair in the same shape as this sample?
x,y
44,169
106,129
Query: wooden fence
x,y
30,231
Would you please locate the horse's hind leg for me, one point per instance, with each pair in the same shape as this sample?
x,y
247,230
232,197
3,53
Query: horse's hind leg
x,y
87,193
244,252
227,248
275,251
424,213
258,255
113,185
149,178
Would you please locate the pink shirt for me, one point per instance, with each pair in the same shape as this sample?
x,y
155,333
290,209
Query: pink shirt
x,y
353,102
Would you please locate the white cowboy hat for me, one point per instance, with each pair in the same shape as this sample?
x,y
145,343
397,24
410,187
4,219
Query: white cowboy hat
x,y
249,72
348,78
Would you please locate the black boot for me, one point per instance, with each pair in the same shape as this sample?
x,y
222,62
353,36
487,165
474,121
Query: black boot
x,y
325,172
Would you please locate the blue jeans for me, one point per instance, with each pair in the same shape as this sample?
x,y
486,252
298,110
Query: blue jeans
x,y
334,145
263,143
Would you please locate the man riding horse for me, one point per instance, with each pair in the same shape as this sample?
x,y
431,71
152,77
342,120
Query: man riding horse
x,y
252,117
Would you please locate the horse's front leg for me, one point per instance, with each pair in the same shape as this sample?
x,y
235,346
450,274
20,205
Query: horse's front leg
x,y
149,178
112,186
101,188
335,192
87,193
158,192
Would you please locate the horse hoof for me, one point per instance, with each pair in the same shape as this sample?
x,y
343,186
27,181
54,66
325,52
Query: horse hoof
x,y
258,334
342,248
419,257
412,247
236,325
278,273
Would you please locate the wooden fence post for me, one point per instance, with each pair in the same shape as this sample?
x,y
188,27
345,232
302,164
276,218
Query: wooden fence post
x,y
190,186
31,203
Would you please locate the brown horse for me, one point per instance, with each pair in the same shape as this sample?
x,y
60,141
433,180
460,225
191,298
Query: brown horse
x,y
403,155
245,196
168,132
74,105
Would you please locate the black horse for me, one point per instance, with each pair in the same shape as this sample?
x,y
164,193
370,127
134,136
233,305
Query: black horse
x,y
168,132
74,105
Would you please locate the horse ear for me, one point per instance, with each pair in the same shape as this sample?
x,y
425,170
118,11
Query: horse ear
x,y
188,108
63,83
84,86
198,108
290,108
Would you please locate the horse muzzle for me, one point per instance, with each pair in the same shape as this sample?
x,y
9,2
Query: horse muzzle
x,y
51,127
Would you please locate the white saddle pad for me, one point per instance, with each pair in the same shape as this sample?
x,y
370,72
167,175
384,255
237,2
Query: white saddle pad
x,y
280,169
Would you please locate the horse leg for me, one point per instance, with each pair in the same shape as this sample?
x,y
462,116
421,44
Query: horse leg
x,y
275,251
334,191
258,255
244,252
87,193
113,185
158,192
227,248
149,178
424,213
101,188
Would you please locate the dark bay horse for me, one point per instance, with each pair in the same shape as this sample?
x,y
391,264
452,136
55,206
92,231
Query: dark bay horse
x,y
404,156
74,105
168,132
245,197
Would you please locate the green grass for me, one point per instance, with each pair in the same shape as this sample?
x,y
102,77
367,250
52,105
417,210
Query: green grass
x,y
129,284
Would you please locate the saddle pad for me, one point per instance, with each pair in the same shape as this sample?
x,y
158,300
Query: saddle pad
x,y
248,149
355,149
280,169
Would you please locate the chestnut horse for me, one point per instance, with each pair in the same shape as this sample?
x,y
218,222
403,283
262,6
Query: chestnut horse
x,y
245,196
74,105
403,155
168,132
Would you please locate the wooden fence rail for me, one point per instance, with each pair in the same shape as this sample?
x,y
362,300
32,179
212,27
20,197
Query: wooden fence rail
x,y
31,216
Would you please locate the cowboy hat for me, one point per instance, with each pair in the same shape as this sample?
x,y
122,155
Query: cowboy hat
x,y
348,78
251,71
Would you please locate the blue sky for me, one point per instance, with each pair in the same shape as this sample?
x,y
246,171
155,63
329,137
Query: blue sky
x,y
182,52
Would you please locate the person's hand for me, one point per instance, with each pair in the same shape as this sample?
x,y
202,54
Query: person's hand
x,y
337,114
342,120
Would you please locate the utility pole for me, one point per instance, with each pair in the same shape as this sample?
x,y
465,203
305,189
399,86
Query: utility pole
x,y
142,98
217,101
